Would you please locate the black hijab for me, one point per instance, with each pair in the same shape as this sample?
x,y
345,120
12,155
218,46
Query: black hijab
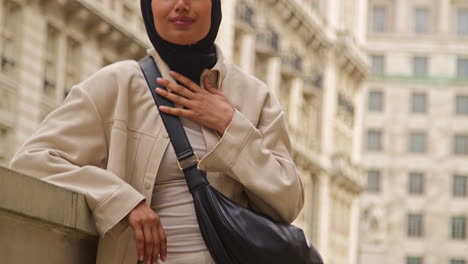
x,y
189,60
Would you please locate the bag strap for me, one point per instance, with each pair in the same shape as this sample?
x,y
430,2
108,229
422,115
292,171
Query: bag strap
x,y
187,159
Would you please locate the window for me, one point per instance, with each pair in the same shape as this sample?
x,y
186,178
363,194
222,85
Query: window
x,y
462,68
421,20
374,140
461,105
418,103
460,145
375,101
462,22
458,227
415,225
379,19
414,260
373,181
73,65
416,183
417,142
420,66
378,64
51,62
459,185
9,38
457,261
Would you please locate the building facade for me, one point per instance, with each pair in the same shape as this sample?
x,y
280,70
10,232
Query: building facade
x,y
48,46
310,55
309,52
415,133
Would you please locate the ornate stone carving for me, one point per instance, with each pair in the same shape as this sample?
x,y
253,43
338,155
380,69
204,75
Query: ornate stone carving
x,y
373,224
5,100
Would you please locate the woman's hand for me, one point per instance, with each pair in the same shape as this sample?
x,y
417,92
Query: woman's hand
x,y
149,234
208,107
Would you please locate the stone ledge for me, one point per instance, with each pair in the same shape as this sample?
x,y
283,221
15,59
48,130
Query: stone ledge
x,y
32,198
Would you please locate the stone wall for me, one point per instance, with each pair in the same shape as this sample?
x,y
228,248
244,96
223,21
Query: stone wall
x,y
42,223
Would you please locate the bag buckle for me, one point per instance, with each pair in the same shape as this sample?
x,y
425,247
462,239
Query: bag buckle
x,y
185,163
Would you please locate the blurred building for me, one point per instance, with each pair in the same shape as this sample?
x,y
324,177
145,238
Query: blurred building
x,y
416,133
309,52
48,46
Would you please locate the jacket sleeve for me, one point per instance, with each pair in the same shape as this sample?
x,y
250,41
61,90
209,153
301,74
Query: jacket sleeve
x,y
260,159
69,150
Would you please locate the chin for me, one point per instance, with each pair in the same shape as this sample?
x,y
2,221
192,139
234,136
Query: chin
x,y
183,42
183,39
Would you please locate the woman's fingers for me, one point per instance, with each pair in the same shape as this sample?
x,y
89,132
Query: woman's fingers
x,y
174,87
139,241
185,81
163,239
149,243
209,87
176,111
177,99
156,244
208,106
146,226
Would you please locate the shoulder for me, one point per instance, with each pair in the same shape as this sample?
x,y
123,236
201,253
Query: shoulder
x,y
122,67
239,75
249,95
114,75
112,85
241,82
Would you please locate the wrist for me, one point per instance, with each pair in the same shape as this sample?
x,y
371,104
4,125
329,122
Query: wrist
x,y
222,128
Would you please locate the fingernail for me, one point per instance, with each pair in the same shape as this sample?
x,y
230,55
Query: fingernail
x,y
141,258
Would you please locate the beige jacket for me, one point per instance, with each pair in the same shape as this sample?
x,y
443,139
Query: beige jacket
x,y
107,140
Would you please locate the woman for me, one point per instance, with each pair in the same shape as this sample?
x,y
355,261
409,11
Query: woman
x,y
108,142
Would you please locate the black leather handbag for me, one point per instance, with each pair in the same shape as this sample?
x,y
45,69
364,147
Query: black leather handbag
x,y
232,233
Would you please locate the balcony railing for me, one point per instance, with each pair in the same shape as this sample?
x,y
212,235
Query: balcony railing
x,y
122,16
292,63
347,173
314,82
245,14
353,53
268,41
346,105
